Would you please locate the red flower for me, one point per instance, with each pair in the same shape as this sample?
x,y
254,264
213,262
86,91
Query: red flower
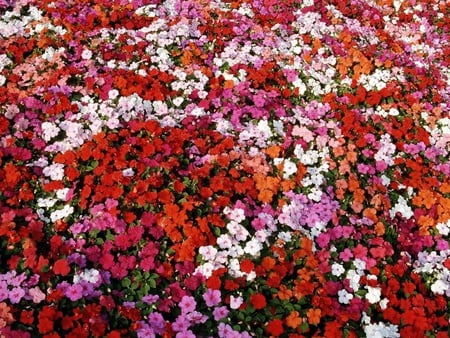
x,y
247,266
258,301
61,267
275,327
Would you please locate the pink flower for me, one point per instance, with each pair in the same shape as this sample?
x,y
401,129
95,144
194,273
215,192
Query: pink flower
x,y
212,297
187,304
74,292
36,294
16,295
220,313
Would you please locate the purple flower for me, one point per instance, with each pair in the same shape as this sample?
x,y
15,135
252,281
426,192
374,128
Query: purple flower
x,y
212,297
157,322
74,292
181,324
187,304
150,299
196,317
185,334
220,313
16,294
3,291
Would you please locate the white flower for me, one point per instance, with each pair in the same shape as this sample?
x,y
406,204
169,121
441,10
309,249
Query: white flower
x,y
344,296
234,268
113,93
49,130
373,294
236,214
381,330
54,171
383,303
289,168
205,269
208,252
46,202
62,194
90,275
128,172
235,302
440,287
401,207
253,247
360,265
285,236
86,54
61,214
443,228
224,241
337,269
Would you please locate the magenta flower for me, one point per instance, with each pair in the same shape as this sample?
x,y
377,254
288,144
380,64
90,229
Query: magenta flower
x,y
212,297
74,292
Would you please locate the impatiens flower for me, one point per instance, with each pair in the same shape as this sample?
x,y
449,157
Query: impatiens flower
x,y
258,301
187,304
381,330
220,313
54,171
36,294
373,294
212,297
337,269
275,328
344,296
235,302
16,294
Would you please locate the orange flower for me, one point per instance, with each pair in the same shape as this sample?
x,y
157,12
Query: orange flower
x,y
284,293
267,187
424,198
314,316
425,223
268,263
294,320
273,151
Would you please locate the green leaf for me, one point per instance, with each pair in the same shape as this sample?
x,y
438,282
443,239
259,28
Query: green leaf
x,y
151,283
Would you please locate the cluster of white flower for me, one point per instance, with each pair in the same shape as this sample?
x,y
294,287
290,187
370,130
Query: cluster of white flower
x,y
401,207
379,330
432,265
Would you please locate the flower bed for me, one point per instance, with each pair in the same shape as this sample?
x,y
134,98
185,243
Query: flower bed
x,y
224,168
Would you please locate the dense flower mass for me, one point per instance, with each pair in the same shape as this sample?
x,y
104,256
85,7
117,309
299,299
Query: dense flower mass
x,y
242,168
